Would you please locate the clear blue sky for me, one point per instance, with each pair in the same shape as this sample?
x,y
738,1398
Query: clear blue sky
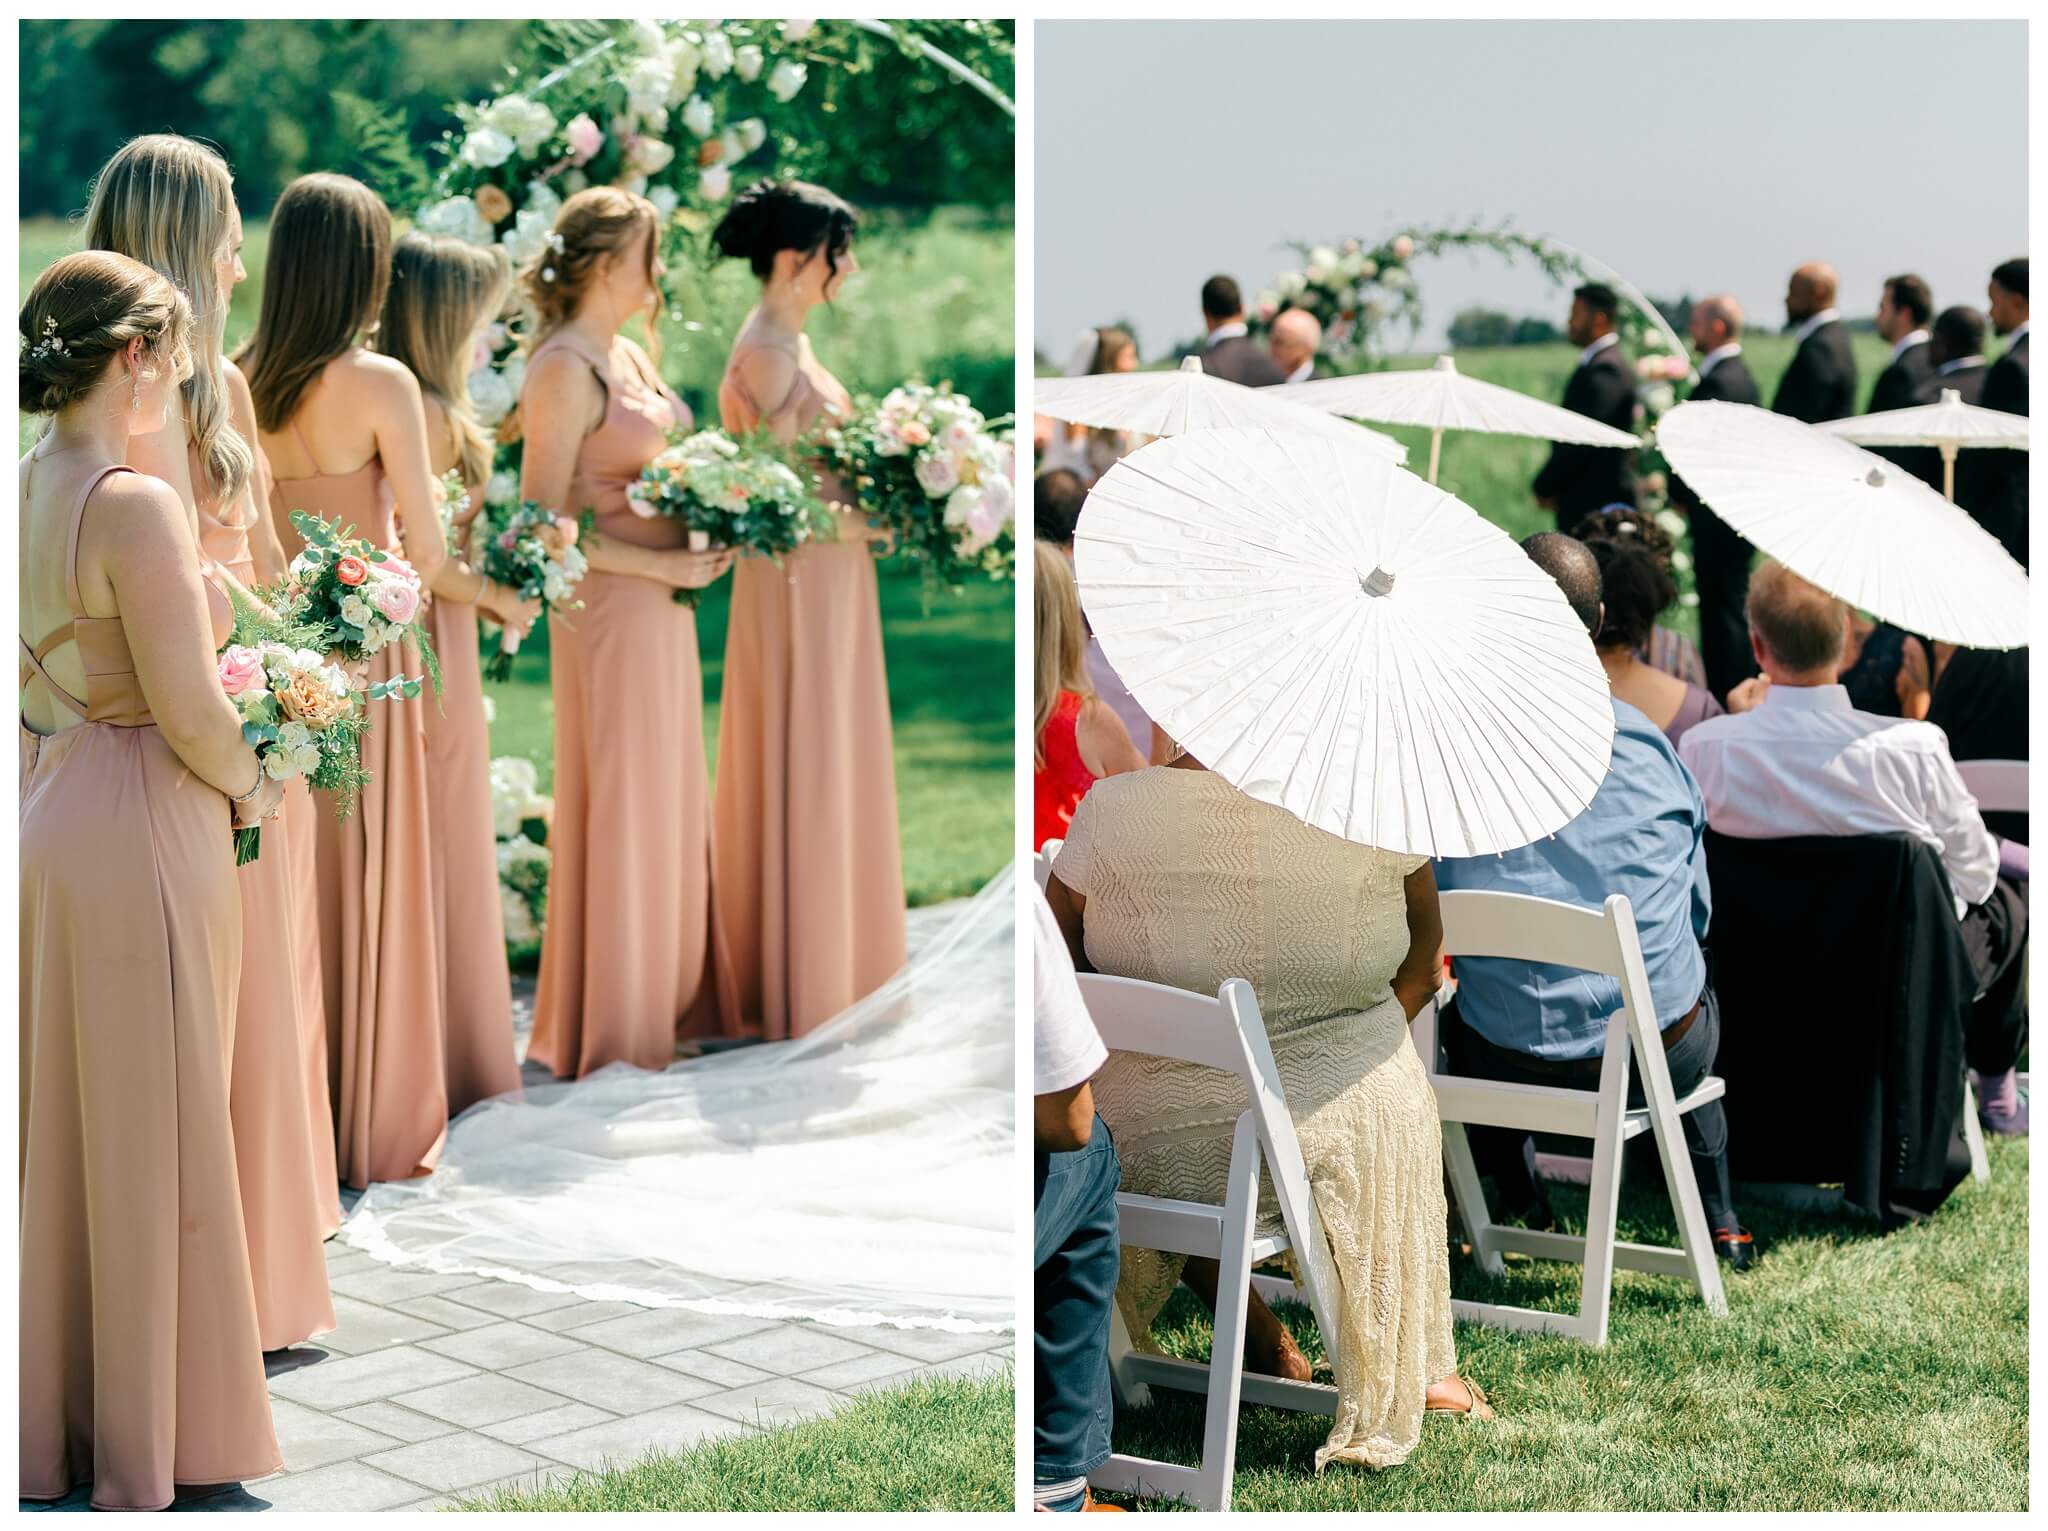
x,y
1690,156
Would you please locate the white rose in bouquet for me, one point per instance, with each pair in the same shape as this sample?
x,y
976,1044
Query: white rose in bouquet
x,y
526,122
697,117
355,611
999,500
486,148
787,79
984,524
937,475
651,156
960,505
717,55
457,216
278,765
747,62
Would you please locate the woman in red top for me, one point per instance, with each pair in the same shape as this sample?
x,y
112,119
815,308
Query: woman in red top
x,y
1078,737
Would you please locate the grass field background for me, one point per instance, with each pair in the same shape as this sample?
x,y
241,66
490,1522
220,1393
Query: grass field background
x,y
936,299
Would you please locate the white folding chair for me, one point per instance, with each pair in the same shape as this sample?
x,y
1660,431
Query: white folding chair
x,y
1999,786
1225,1033
1516,926
1041,864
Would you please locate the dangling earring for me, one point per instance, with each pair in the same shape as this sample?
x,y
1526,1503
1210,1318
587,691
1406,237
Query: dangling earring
x,y
135,398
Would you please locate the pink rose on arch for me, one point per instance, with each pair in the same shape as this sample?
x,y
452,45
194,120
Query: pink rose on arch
x,y
937,475
397,600
241,671
1403,247
585,138
916,432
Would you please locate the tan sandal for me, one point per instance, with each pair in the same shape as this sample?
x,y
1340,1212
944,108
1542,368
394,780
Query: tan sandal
x,y
1476,1410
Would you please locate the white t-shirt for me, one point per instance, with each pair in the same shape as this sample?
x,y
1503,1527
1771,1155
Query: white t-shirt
x,y
1066,1050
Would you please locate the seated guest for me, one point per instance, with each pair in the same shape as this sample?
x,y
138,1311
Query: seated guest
x,y
1980,702
1079,740
1058,495
1173,876
1805,762
1538,1023
1634,587
1885,669
1074,1243
1297,336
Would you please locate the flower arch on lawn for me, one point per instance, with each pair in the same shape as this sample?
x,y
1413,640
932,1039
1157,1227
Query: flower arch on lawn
x,y
672,110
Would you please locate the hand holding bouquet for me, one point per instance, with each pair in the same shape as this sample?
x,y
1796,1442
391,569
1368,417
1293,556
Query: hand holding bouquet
x,y
928,468
351,596
532,552
743,498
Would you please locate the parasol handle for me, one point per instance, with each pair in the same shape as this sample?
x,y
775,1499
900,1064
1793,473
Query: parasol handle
x,y
1436,446
1948,471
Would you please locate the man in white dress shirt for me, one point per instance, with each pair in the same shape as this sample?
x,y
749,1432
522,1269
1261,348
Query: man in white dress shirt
x,y
1297,337
1802,761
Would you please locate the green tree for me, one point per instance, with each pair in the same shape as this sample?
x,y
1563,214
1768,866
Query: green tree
x,y
1481,327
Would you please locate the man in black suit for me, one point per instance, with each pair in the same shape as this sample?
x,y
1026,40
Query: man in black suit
x,y
1231,352
1721,557
1957,350
2005,387
1579,480
1821,382
1903,312
1297,336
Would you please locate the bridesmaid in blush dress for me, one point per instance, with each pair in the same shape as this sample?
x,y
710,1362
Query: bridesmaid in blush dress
x,y
809,870
443,291
322,401
632,955
169,202
140,1366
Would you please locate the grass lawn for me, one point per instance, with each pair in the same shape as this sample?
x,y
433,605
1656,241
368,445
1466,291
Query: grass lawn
x,y
1854,1371
938,1444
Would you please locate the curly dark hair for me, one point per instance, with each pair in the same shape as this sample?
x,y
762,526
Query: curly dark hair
x,y
1636,584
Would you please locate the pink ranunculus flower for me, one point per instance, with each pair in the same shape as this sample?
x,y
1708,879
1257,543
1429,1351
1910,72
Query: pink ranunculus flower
x,y
585,138
937,475
396,599
915,432
241,671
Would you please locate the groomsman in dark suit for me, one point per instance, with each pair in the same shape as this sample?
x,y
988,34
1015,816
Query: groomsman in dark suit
x,y
1231,352
2005,387
1578,480
1297,337
1721,557
1903,313
1957,350
1821,382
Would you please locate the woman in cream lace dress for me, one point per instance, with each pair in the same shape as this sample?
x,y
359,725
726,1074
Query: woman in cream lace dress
x,y
1173,876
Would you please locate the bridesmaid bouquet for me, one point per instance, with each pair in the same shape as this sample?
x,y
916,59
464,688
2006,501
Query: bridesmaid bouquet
x,y
926,465
299,712
729,496
533,551
352,596
454,501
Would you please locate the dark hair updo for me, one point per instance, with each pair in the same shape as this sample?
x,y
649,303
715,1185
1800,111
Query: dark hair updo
x,y
84,311
1634,554
772,216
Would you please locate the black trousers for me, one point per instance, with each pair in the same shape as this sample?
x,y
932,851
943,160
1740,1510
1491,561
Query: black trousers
x,y
1995,932
1075,1244
1721,571
1510,1156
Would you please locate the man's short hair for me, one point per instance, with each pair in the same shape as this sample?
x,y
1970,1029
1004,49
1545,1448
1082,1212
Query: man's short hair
x,y
1800,623
1960,331
1912,294
1600,298
2012,275
1221,299
1571,563
1056,498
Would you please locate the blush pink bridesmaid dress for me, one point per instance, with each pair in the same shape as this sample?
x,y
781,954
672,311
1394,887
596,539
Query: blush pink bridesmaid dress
x,y
378,965
809,867
140,1366
469,927
284,1129
632,956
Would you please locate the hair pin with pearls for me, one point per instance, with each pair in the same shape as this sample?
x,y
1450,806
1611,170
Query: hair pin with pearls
x,y
51,344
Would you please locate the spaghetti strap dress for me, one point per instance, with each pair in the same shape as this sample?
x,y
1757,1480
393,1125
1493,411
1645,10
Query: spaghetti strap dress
x,y
632,957
277,1078
469,925
380,975
140,1366
809,866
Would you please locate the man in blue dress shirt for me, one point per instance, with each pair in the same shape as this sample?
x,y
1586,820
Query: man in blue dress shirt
x,y
1538,1023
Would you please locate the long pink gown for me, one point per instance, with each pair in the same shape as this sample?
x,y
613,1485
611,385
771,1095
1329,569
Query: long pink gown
x,y
140,1366
631,956
809,866
469,927
284,1130
379,969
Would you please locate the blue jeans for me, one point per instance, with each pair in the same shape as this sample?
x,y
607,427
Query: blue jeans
x,y
1075,1251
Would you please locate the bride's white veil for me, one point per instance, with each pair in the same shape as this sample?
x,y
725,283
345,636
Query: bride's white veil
x,y
862,1174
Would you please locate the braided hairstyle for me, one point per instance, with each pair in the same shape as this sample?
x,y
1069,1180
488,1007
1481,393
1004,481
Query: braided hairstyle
x,y
82,313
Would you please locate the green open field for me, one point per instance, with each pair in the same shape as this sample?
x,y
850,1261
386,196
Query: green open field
x,y
935,299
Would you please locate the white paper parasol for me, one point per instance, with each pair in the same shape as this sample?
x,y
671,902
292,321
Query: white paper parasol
x,y
1333,636
1948,423
1443,399
1861,528
1189,399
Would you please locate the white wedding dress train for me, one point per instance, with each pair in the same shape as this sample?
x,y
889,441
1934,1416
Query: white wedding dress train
x,y
862,1174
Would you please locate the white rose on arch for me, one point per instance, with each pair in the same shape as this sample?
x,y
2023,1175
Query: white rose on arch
x,y
717,55
486,148
526,122
457,216
648,82
797,31
747,62
651,156
665,200
529,232
491,396
715,184
684,59
541,198
697,117
787,79
753,133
